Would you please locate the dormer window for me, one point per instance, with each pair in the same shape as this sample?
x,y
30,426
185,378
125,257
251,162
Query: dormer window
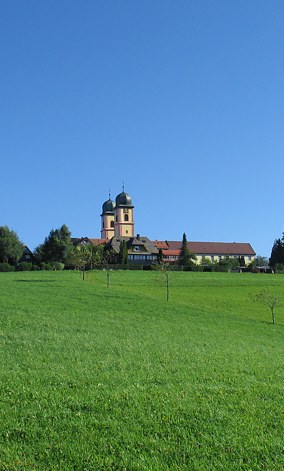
x,y
136,248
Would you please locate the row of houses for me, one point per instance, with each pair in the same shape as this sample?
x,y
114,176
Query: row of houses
x,y
142,250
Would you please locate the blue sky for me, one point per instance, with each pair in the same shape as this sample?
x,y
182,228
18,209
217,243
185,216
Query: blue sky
x,y
181,100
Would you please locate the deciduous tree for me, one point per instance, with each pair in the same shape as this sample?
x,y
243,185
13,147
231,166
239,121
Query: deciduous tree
x,y
11,248
55,247
269,299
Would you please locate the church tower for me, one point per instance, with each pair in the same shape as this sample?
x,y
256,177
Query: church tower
x,y
107,219
123,216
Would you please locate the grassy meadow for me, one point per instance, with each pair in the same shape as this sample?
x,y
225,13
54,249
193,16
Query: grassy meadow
x,y
98,378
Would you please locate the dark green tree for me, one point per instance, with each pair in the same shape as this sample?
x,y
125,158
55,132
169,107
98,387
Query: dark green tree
x,y
55,247
241,260
11,248
160,256
277,252
186,257
123,253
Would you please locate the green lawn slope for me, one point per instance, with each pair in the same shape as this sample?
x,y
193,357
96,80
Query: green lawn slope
x,y
117,378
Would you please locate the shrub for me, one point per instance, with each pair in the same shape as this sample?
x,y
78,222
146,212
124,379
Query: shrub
x,y
45,266
279,268
5,267
57,266
24,266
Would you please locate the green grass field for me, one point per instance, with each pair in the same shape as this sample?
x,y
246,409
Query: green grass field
x,y
97,378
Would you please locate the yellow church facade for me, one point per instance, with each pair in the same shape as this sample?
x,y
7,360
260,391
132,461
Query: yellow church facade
x,y
117,218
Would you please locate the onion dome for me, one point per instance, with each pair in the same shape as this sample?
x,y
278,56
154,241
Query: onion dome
x,y
108,206
123,199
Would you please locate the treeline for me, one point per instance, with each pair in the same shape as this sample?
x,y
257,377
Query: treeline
x,y
57,252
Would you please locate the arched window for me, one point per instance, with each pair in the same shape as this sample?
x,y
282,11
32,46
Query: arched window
x,y
111,223
126,218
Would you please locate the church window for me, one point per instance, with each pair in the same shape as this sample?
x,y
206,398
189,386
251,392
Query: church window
x,y
111,223
126,218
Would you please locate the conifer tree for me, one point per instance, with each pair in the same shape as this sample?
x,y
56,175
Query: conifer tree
x,y
277,252
123,253
185,257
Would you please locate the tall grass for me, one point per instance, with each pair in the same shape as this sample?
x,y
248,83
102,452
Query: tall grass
x,y
97,378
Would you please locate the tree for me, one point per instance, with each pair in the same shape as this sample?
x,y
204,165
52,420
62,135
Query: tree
x,y
259,261
277,252
123,253
84,257
55,247
163,267
268,299
160,256
186,257
11,248
227,263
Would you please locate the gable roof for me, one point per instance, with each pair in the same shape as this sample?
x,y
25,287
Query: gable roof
x,y
87,240
145,244
215,248
161,244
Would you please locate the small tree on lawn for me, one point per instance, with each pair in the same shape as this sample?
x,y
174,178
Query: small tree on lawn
x,y
164,268
268,299
185,257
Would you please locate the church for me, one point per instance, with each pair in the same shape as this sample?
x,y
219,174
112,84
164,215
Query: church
x,y
117,218
117,224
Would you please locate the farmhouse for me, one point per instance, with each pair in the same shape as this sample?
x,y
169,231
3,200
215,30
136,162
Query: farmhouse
x,y
210,251
117,225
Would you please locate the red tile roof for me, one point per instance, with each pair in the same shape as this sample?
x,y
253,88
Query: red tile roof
x,y
160,244
171,253
215,248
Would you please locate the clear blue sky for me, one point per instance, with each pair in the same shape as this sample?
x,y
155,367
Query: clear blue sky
x,y
182,100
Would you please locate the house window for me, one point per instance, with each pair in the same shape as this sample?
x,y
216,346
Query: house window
x,y
136,248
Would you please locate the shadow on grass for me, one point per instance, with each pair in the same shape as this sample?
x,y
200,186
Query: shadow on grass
x,y
35,281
